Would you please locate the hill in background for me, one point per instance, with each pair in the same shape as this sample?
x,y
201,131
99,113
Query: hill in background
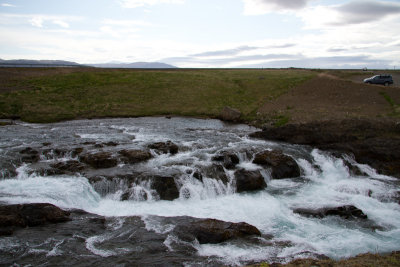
x,y
135,65
63,63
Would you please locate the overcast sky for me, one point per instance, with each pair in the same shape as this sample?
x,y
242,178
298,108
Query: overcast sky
x,y
205,33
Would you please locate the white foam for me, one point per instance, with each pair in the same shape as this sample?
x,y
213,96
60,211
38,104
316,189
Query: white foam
x,y
65,192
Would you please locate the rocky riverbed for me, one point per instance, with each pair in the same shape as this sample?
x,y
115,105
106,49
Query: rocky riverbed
x,y
167,192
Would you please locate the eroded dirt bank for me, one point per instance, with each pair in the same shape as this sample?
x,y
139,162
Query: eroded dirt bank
x,y
372,142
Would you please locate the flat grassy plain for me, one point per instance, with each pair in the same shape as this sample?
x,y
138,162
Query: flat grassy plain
x,y
49,95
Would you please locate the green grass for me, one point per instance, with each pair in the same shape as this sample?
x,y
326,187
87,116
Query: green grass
x,y
395,107
121,93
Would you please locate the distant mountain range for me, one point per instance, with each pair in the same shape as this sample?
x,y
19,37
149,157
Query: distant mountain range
x,y
38,63
135,65
63,63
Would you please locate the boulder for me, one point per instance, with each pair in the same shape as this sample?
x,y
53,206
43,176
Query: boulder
x,y
165,147
230,114
346,212
23,215
229,160
29,155
70,166
215,171
249,181
165,187
99,160
212,231
282,166
134,156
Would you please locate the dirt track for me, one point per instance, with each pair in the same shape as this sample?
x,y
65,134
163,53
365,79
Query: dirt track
x,y
328,98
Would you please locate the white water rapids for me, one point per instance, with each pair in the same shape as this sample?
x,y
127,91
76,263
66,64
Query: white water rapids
x,y
325,182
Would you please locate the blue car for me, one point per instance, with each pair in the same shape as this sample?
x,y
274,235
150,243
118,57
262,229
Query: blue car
x,y
385,79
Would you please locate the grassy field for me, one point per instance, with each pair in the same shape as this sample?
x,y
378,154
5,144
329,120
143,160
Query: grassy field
x,y
46,95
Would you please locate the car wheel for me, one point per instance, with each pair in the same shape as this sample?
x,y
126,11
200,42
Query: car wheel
x,y
386,84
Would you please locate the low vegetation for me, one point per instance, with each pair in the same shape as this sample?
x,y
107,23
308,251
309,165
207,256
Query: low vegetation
x,y
51,96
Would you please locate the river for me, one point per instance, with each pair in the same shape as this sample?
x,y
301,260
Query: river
x,y
125,224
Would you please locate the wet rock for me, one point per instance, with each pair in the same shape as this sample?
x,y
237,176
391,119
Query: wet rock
x,y
99,160
212,231
282,166
70,166
215,171
23,215
58,152
29,155
76,151
165,187
346,212
111,143
229,160
165,147
197,175
134,156
230,114
249,181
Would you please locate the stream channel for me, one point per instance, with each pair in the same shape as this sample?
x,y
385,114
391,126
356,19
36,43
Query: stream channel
x,y
119,218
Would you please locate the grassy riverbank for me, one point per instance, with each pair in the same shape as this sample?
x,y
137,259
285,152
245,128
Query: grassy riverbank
x,y
46,95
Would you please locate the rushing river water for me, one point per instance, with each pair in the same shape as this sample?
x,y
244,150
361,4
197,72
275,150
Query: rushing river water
x,y
138,229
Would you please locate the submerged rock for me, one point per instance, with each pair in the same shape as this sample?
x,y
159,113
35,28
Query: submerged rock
x,y
134,156
29,155
249,181
282,166
212,231
99,160
346,212
23,215
165,147
215,171
229,160
70,166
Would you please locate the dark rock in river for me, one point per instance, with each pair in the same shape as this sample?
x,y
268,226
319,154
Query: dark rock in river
x,y
376,143
229,160
211,231
70,166
249,181
230,114
346,212
215,171
99,160
23,215
165,147
134,156
283,166
29,155
165,187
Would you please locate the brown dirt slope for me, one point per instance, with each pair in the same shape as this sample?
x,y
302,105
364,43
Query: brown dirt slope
x,y
328,98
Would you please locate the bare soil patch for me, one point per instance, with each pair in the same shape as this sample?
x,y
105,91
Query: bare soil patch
x,y
327,97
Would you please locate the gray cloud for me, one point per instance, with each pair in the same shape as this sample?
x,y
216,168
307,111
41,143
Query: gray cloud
x,y
226,60
337,50
227,52
325,62
357,12
235,51
286,60
287,4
